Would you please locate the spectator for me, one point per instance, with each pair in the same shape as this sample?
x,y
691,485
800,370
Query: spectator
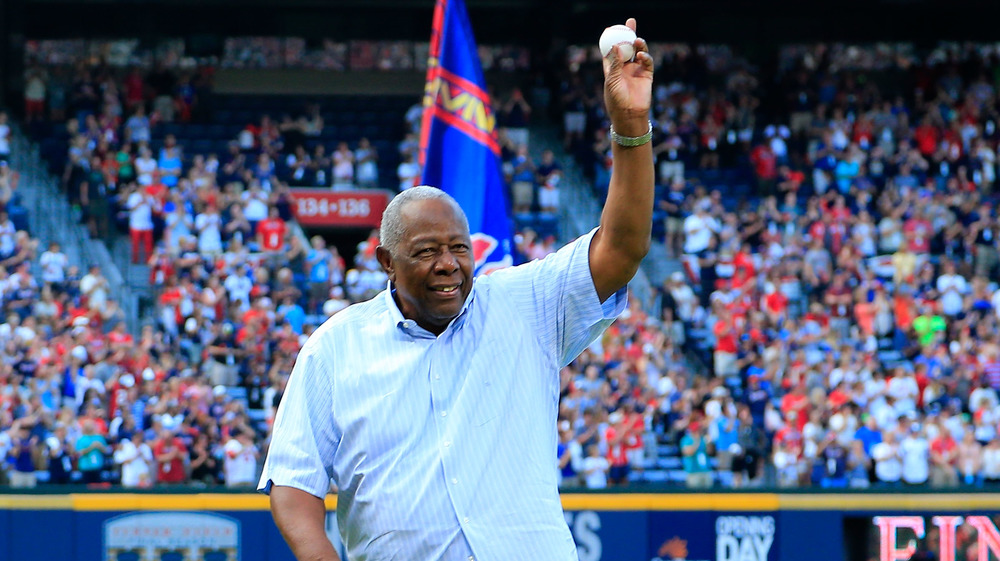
x,y
21,453
91,448
241,459
515,115
204,465
595,469
969,460
888,461
695,453
569,457
366,158
141,206
915,452
135,458
171,458
699,228
343,167
726,443
943,460
408,172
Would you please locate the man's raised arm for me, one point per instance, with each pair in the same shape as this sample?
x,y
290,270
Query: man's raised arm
x,y
626,223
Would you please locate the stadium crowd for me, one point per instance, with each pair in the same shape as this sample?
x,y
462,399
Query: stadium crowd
x,y
238,287
834,324
846,295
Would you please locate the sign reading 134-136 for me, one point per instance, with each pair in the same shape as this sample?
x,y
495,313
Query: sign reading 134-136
x,y
172,536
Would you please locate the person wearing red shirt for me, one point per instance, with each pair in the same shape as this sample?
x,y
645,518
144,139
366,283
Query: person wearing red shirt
x,y
616,435
725,344
119,337
926,137
776,304
636,426
839,396
918,231
765,164
169,452
944,455
743,266
271,232
796,402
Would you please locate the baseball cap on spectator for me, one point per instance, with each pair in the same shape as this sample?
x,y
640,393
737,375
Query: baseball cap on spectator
x,y
219,390
616,417
81,321
148,374
127,380
79,352
677,276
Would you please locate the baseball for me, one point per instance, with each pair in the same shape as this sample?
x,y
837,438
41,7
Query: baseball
x,y
620,35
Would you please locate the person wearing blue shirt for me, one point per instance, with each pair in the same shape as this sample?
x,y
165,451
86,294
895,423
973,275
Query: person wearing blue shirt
x,y
868,434
290,311
727,434
432,407
170,164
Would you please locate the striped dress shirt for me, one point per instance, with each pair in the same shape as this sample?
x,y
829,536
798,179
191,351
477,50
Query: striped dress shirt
x,y
443,447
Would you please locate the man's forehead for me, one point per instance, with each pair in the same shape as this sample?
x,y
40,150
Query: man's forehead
x,y
432,219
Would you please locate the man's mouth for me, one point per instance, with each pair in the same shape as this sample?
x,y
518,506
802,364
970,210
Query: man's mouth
x,y
445,289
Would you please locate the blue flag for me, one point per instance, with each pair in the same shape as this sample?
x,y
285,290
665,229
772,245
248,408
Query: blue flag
x,y
459,151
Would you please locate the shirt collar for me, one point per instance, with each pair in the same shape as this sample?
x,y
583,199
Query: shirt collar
x,y
410,326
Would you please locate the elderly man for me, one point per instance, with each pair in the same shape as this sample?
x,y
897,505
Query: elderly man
x,y
409,402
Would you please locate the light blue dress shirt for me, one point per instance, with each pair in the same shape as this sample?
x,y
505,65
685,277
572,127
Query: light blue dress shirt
x,y
443,447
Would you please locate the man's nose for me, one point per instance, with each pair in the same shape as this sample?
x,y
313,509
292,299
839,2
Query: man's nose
x,y
446,262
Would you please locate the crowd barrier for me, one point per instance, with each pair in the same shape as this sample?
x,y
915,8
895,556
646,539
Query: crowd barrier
x,y
606,526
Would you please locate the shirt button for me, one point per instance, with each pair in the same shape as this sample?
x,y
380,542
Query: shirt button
x,y
471,558
454,481
466,520
447,443
444,413
437,376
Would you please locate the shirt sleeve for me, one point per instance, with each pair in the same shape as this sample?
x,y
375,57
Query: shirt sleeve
x,y
303,441
557,296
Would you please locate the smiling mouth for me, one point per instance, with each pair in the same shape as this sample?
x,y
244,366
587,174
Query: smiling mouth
x,y
445,289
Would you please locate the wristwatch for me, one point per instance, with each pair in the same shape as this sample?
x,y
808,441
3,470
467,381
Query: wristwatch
x,y
632,141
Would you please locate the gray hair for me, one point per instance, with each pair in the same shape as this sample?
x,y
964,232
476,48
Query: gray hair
x,y
392,229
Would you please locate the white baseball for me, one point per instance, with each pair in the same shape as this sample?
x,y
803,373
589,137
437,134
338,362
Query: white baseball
x,y
620,35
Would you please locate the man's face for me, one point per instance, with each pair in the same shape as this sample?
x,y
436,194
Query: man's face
x,y
431,268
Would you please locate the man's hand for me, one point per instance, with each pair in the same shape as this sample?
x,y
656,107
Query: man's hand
x,y
628,88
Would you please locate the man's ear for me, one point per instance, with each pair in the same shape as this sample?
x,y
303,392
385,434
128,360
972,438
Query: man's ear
x,y
385,259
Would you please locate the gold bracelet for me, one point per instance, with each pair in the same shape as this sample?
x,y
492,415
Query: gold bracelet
x,y
632,141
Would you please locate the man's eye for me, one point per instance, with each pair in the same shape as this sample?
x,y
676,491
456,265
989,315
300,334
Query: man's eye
x,y
460,248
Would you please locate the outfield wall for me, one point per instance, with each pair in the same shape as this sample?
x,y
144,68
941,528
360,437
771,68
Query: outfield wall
x,y
607,527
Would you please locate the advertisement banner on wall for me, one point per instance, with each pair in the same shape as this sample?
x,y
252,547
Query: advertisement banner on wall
x,y
609,535
163,536
322,208
713,536
923,536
